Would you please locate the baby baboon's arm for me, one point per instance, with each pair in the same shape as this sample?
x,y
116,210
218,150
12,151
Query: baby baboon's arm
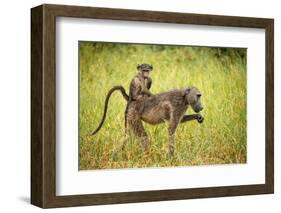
x,y
140,87
146,92
135,89
148,83
147,86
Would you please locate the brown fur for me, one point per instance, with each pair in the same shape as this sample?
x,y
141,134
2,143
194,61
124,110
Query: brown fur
x,y
168,106
139,87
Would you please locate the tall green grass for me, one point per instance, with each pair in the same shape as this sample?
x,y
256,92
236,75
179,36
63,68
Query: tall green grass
x,y
219,73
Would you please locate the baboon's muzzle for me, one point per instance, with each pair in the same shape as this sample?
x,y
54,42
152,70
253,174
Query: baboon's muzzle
x,y
197,107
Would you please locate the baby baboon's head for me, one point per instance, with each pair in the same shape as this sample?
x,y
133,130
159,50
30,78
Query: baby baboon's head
x,y
145,69
192,97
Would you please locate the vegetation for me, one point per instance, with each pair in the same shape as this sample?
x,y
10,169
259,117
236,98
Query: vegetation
x,y
219,73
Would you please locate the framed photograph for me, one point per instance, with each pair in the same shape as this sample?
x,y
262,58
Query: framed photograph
x,y
136,106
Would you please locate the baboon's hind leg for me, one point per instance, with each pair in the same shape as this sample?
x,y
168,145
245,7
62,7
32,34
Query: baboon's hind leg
x,y
138,130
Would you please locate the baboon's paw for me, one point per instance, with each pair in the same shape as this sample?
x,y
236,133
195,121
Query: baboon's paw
x,y
200,119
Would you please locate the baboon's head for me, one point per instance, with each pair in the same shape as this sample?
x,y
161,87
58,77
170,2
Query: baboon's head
x,y
145,69
192,97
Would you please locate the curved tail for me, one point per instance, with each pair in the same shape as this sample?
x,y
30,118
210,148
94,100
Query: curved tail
x,y
125,96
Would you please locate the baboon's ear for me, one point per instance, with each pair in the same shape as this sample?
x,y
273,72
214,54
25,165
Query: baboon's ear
x,y
185,95
187,90
138,66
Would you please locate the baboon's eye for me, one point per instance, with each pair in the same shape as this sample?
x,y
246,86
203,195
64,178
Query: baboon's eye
x,y
199,95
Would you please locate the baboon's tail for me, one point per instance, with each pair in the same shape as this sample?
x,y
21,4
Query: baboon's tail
x,y
125,96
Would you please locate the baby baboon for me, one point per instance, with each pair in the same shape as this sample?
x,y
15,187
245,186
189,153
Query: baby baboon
x,y
141,83
139,86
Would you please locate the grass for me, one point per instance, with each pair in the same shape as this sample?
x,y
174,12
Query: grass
x,y
219,73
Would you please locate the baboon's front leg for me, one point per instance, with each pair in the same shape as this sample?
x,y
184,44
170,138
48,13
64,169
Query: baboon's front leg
x,y
197,117
171,130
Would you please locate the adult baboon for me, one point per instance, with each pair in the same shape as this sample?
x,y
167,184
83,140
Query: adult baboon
x,y
167,106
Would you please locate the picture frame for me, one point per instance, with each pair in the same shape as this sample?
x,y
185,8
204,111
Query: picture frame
x,y
43,105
